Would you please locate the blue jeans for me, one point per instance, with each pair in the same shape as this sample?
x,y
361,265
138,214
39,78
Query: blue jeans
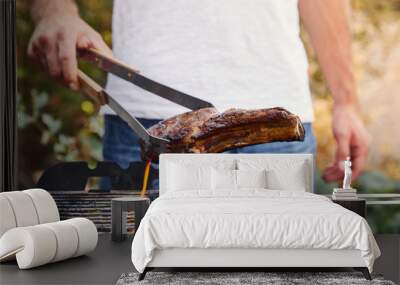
x,y
120,144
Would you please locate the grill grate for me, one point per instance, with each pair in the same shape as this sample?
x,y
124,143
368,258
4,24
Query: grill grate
x,y
95,206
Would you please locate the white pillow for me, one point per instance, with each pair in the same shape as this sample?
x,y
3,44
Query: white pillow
x,y
188,177
251,178
293,180
230,180
223,179
283,174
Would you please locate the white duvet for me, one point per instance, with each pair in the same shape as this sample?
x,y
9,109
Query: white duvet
x,y
250,219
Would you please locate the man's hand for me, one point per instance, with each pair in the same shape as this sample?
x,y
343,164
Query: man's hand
x,y
327,23
352,140
59,32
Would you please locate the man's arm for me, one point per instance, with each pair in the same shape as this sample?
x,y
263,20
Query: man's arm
x,y
59,32
326,21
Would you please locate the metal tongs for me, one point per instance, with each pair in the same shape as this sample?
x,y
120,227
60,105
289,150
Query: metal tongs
x,y
97,93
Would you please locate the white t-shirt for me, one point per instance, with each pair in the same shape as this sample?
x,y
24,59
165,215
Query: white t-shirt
x,y
232,53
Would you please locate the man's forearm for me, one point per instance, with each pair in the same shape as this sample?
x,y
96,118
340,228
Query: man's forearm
x,y
44,8
326,21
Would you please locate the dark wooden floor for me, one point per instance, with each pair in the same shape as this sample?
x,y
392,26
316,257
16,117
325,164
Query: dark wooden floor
x,y
389,262
110,260
103,266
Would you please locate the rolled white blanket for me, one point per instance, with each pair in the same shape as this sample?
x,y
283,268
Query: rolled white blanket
x,y
31,231
66,237
87,235
7,218
32,246
45,206
40,244
26,208
23,209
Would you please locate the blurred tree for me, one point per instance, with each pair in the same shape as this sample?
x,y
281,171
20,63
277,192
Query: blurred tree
x,y
56,123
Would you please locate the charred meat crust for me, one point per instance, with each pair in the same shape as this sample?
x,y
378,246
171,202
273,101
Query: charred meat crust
x,y
268,118
182,125
206,130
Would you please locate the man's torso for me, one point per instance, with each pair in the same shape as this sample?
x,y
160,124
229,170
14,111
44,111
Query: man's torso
x,y
232,53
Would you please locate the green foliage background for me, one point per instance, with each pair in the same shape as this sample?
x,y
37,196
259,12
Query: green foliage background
x,y
57,124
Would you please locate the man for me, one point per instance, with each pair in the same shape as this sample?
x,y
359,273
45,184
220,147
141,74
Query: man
x,y
232,53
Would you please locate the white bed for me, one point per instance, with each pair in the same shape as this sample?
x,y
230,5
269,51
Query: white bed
x,y
197,223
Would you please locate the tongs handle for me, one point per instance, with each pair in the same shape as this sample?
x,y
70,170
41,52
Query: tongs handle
x,y
91,88
108,63
111,65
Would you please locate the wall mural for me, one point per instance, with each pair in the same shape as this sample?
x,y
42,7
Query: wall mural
x,y
57,125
